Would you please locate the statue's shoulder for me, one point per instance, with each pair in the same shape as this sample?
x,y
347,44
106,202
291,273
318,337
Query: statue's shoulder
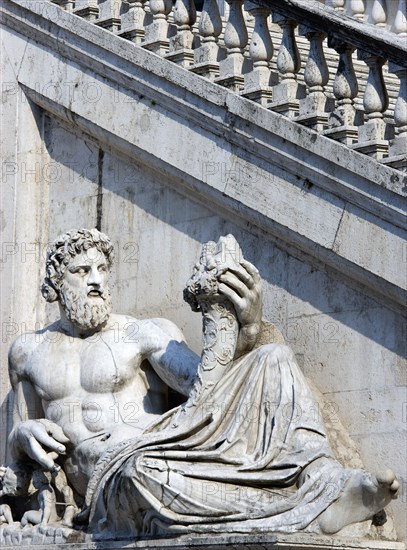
x,y
127,327
147,326
27,342
166,326
123,323
19,354
146,334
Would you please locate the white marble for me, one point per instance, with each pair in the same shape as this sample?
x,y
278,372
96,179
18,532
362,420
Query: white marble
x,y
314,293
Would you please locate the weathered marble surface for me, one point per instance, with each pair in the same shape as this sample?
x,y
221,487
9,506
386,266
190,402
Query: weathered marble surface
x,y
310,303
206,466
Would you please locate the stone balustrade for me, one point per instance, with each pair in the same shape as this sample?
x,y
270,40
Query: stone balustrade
x,y
338,67
388,14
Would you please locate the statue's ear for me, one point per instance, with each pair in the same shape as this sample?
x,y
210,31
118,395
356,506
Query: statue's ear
x,y
49,292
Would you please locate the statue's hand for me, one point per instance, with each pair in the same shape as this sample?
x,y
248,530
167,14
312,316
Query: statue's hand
x,y
242,285
31,436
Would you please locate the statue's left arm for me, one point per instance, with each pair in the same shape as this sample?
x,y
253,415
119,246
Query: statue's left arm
x,y
170,356
166,349
242,285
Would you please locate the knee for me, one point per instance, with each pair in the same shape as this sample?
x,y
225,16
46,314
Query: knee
x,y
131,467
275,353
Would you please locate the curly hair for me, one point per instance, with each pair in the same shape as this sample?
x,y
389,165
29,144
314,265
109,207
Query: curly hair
x,y
66,247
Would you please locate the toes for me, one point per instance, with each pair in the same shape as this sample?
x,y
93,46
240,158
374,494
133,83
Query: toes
x,y
394,487
387,477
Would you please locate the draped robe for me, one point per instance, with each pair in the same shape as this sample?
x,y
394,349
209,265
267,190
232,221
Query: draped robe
x,y
250,453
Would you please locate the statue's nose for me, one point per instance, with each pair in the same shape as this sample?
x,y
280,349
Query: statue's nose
x,y
95,277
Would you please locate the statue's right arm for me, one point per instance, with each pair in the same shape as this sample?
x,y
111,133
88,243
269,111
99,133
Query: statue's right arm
x,y
32,435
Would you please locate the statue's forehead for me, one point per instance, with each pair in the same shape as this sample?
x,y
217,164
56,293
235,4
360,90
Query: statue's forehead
x,y
90,256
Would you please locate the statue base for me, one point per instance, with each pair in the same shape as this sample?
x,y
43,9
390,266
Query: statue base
x,y
226,541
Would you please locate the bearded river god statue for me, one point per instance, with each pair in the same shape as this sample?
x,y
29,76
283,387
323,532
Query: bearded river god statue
x,y
96,449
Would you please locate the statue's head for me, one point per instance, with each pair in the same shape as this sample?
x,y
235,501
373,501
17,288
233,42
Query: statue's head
x,y
77,269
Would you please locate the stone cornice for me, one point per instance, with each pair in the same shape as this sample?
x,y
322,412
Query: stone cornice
x,y
307,169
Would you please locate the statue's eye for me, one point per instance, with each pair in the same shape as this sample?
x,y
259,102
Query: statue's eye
x,y
81,270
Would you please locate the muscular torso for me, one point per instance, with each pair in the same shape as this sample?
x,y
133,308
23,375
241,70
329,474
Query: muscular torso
x,y
100,390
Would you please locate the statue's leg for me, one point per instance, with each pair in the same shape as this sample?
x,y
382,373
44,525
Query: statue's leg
x,y
362,497
6,511
32,517
263,434
262,413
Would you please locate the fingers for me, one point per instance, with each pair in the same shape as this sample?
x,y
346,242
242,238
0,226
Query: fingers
x,y
240,272
246,273
234,283
232,295
252,270
37,453
33,435
40,433
54,430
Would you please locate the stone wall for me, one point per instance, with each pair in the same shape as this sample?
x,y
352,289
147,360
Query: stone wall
x,y
56,177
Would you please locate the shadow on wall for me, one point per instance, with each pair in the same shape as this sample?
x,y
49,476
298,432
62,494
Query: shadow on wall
x,y
148,199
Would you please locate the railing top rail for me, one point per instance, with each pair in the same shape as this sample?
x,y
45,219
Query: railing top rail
x,y
326,19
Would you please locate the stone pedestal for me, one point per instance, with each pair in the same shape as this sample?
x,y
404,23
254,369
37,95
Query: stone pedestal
x,y
110,23
344,134
372,140
314,111
226,541
286,97
89,13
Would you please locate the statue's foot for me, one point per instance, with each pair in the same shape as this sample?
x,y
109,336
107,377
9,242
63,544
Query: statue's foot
x,y
363,496
67,520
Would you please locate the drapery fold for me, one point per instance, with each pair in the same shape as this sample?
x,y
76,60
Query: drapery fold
x,y
249,453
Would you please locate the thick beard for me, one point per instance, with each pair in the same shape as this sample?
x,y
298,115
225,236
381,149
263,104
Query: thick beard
x,y
82,312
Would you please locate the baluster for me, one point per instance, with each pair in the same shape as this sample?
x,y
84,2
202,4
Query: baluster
x,y
358,9
375,102
222,7
181,44
338,5
210,27
257,82
398,146
235,39
341,121
156,33
288,92
315,107
88,9
400,21
109,14
379,13
132,21
67,5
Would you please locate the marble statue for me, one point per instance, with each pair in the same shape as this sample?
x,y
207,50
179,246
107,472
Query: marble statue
x,y
90,402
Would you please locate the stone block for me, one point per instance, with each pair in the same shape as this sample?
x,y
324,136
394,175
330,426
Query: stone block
x,y
258,541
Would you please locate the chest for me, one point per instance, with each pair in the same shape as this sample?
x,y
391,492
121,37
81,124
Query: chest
x,y
93,365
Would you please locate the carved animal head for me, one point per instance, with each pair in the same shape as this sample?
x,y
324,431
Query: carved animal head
x,y
216,258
